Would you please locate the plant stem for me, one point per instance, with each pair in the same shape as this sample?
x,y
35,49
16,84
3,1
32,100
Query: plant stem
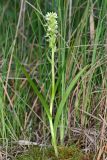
x,y
53,82
54,143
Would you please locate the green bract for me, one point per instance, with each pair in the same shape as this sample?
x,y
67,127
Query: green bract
x,y
52,29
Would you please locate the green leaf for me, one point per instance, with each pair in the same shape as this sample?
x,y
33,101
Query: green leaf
x,y
65,96
39,94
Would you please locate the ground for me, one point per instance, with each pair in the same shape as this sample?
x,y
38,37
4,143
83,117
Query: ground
x,y
65,153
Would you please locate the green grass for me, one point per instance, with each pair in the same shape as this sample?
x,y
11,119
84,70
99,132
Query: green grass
x,y
25,92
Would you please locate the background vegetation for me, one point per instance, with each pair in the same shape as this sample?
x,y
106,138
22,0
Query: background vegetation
x,y
81,42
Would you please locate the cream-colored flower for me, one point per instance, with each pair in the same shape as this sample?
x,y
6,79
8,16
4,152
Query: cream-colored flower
x,y
52,29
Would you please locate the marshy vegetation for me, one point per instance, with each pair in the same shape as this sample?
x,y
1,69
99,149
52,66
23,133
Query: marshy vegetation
x,y
53,75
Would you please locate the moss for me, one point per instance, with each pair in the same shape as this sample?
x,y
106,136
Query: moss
x,y
65,153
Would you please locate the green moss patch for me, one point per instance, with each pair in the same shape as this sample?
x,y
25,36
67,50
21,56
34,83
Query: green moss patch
x,y
65,153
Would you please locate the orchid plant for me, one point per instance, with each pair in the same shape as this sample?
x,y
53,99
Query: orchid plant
x,y
52,30
51,35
